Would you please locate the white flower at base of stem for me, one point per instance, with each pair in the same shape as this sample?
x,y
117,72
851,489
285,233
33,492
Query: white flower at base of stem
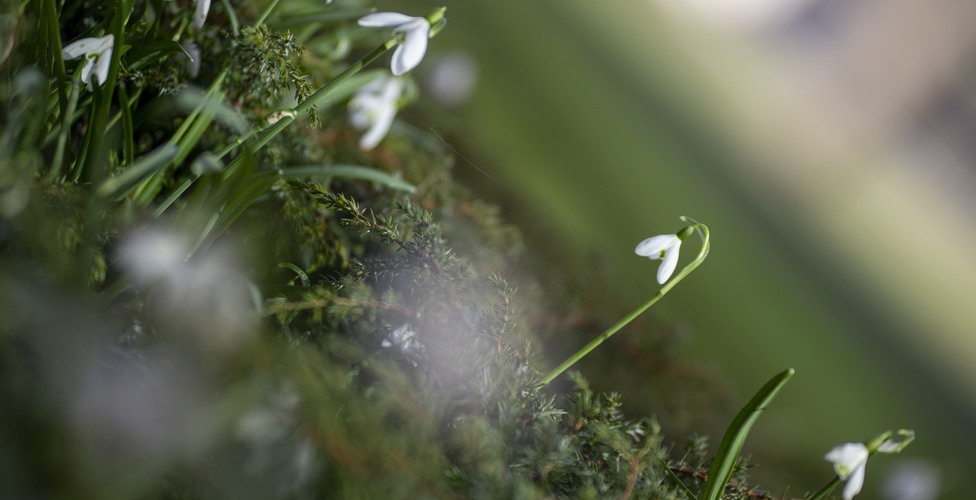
x,y
850,460
416,31
97,53
373,108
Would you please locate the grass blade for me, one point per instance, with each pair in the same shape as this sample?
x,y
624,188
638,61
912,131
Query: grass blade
x,y
735,436
148,165
349,172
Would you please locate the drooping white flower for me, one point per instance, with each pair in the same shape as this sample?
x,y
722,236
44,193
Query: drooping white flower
x,y
200,16
850,460
373,107
663,247
98,56
416,31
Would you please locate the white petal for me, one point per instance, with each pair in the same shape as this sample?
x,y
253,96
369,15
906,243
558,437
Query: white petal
x,y
847,458
381,19
87,46
101,67
652,247
86,72
854,483
409,54
382,122
203,8
669,263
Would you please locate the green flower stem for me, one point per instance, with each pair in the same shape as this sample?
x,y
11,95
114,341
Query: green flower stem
x,y
65,128
93,155
703,233
50,10
266,13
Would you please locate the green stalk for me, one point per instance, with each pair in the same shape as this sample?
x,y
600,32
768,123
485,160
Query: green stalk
x,y
65,129
94,156
50,10
703,233
128,139
266,13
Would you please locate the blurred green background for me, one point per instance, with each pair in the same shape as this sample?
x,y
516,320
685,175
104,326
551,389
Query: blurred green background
x,y
828,152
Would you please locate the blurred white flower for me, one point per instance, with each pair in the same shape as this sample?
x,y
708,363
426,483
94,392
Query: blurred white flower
x,y
193,65
205,294
373,107
849,461
452,78
150,256
98,56
912,480
405,338
665,247
200,16
416,31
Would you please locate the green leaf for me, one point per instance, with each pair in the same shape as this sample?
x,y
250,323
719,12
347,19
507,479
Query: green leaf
x,y
139,171
150,53
349,172
735,436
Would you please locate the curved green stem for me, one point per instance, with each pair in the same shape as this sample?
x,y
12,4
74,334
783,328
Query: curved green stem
x,y
702,231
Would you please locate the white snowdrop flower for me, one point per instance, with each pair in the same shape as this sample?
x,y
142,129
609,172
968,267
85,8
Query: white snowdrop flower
x,y
849,461
416,31
98,56
373,107
664,247
200,16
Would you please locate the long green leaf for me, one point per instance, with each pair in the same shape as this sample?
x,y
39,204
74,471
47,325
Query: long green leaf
x,y
349,172
139,171
735,436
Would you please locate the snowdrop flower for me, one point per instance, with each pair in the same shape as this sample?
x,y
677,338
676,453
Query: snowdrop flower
x,y
97,53
664,247
374,107
203,8
849,461
411,50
